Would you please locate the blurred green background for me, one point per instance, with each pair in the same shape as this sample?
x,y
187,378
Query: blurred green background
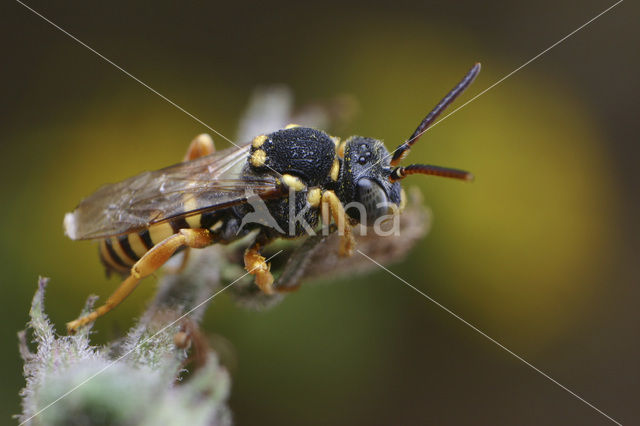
x,y
540,252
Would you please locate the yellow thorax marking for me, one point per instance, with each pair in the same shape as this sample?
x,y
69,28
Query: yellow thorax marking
x,y
259,140
314,196
293,182
258,158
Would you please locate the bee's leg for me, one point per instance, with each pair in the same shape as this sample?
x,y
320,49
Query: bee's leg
x,y
199,147
256,265
333,208
148,264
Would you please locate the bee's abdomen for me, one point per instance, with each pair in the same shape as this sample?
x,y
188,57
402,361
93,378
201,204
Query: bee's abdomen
x,y
120,253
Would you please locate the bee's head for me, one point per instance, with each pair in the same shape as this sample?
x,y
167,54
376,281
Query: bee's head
x,y
365,180
370,174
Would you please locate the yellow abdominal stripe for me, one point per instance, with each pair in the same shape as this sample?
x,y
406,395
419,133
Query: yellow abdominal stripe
x,y
136,244
193,221
191,205
117,248
104,252
160,231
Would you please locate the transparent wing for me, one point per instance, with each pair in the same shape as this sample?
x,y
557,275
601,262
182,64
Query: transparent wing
x,y
209,183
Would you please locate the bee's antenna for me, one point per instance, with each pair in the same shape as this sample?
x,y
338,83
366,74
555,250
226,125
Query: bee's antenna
x,y
423,169
403,149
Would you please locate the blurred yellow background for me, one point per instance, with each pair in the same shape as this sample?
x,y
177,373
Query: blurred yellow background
x,y
540,252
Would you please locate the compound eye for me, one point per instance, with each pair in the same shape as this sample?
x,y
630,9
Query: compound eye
x,y
373,199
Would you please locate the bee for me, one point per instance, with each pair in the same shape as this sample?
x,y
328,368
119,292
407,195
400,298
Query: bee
x,y
297,171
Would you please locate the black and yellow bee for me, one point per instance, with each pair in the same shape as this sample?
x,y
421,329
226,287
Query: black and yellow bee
x,y
143,221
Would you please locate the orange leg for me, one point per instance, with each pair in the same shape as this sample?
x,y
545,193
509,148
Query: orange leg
x,y
333,208
148,264
256,265
202,145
